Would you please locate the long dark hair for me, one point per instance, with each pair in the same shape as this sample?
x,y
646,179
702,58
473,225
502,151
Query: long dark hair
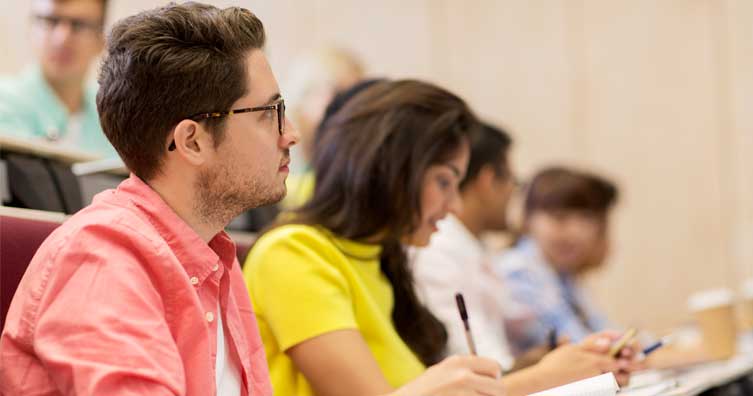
x,y
370,163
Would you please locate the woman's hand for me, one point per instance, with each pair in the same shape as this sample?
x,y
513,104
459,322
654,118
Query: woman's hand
x,y
627,361
457,376
565,364
574,362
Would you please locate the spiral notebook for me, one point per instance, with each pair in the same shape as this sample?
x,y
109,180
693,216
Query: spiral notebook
x,y
602,385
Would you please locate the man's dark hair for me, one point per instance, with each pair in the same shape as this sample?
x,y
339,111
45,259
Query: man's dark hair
x,y
164,65
559,188
489,147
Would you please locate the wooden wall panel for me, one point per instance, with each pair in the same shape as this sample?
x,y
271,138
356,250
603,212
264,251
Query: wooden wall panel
x,y
512,60
737,35
653,122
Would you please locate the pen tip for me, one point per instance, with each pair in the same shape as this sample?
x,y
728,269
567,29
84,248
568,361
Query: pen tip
x,y
461,306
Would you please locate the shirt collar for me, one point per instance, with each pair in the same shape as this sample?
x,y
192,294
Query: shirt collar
x,y
355,249
453,231
197,257
531,248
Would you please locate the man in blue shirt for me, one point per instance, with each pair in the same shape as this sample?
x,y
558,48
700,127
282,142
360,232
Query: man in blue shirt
x,y
566,235
51,100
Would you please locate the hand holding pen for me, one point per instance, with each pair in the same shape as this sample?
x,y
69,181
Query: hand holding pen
x,y
620,349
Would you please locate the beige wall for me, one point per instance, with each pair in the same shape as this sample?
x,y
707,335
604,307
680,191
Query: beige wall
x,y
657,94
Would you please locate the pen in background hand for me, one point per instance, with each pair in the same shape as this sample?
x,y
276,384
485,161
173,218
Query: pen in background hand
x,y
552,338
616,348
658,344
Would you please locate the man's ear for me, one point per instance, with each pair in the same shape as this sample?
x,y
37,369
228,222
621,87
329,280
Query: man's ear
x,y
191,142
486,178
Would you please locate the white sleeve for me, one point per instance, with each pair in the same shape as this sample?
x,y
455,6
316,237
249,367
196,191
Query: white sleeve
x,y
438,277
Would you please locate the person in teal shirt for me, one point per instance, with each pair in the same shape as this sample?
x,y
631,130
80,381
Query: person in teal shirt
x,y
51,100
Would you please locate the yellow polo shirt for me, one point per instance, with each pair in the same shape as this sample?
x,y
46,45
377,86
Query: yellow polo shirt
x,y
305,282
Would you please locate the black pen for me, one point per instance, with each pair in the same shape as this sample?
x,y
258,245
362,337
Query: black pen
x,y
464,317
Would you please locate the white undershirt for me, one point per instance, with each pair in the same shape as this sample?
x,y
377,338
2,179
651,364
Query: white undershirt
x,y
227,374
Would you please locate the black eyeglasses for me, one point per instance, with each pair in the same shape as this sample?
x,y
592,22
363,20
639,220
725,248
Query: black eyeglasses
x,y
278,106
77,25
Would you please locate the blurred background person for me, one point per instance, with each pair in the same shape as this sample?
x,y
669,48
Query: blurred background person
x,y
458,260
315,79
51,99
565,235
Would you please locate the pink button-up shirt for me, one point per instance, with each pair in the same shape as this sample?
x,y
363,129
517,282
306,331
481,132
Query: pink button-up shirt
x,y
122,300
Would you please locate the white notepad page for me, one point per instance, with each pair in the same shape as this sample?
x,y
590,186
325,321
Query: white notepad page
x,y
602,385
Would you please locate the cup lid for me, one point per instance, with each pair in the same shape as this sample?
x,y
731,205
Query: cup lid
x,y
710,299
747,288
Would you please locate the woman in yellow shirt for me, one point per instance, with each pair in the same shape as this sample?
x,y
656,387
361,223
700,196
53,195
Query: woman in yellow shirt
x,y
331,288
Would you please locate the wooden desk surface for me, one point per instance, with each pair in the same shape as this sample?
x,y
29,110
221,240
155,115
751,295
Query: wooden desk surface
x,y
702,378
43,148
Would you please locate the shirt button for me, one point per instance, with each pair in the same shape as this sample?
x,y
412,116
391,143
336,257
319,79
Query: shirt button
x,y
194,280
216,267
209,316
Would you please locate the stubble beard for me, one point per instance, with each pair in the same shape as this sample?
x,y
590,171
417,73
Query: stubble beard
x,y
220,197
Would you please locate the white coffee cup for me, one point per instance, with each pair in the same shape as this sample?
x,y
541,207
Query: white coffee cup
x,y
714,310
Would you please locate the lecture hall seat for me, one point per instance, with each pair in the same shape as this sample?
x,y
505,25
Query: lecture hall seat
x,y
20,237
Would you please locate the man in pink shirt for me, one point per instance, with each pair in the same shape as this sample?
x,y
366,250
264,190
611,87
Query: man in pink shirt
x,y
140,293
